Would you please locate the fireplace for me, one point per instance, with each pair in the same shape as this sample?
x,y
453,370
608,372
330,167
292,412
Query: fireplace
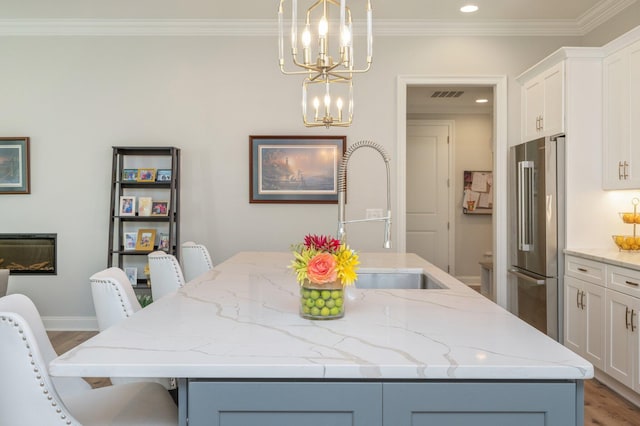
x,y
28,254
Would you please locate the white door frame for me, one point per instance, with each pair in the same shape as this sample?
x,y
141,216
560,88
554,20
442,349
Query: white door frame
x,y
450,124
500,170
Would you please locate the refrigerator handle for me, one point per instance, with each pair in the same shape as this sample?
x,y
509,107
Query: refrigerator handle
x,y
525,205
527,278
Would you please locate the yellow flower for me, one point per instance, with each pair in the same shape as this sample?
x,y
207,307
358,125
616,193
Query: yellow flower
x,y
347,265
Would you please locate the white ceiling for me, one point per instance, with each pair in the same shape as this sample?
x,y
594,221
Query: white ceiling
x,y
447,10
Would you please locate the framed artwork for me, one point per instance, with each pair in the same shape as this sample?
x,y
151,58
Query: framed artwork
x,y
145,239
163,175
294,169
130,239
127,205
144,206
163,242
478,192
129,175
146,175
14,166
132,274
159,208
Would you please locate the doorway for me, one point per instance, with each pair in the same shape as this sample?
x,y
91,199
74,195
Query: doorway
x,y
499,154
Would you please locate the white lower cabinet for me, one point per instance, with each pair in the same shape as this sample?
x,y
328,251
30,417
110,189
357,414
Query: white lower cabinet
x,y
622,338
585,320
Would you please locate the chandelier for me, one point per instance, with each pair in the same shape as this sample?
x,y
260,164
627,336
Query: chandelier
x,y
327,89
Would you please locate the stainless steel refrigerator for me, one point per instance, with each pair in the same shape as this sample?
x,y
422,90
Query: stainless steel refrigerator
x,y
534,293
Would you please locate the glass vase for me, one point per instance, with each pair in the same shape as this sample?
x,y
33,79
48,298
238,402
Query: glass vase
x,y
322,301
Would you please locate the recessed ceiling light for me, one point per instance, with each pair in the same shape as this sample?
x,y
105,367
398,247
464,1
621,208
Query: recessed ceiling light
x,y
482,101
469,8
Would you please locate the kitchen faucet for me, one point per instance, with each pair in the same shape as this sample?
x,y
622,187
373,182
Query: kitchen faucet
x,y
342,186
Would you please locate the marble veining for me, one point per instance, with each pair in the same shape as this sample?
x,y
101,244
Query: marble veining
x,y
241,320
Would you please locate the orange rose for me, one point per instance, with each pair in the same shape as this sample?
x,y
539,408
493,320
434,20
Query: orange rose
x,y
322,268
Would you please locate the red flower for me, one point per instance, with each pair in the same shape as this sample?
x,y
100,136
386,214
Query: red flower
x,y
321,243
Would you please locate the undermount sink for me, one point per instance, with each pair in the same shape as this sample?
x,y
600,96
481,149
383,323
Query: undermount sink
x,y
396,280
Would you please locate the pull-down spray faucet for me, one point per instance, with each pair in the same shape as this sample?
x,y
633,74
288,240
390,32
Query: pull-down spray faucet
x,y
342,185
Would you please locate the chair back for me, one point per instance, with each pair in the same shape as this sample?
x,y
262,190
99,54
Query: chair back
x,y
30,396
113,297
196,260
4,281
166,274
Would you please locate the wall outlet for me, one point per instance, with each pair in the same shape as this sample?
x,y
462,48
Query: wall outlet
x,y
374,213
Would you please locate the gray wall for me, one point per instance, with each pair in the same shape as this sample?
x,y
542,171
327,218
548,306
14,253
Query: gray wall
x,y
77,96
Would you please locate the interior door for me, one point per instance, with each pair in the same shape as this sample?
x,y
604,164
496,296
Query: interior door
x,y
428,192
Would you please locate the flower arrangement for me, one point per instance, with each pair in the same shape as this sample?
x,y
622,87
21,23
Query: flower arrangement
x,y
324,259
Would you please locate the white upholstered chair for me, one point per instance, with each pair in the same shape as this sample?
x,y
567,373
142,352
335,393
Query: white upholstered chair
x,y
166,274
115,300
31,397
196,260
4,281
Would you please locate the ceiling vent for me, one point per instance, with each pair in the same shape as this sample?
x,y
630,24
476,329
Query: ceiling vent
x,y
447,94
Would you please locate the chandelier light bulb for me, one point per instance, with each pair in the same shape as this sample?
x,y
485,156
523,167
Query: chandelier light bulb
x,y
323,27
346,36
316,106
306,37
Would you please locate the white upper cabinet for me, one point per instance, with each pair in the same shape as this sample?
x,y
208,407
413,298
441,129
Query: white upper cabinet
x,y
543,104
621,102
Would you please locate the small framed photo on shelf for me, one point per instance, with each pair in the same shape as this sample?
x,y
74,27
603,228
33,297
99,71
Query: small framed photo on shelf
x,y
163,175
130,175
144,206
145,239
132,274
130,239
146,175
127,205
163,242
159,208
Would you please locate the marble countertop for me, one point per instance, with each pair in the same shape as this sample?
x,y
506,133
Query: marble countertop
x,y
241,320
626,259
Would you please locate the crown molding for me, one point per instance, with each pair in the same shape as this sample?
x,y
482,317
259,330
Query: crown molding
x,y
594,17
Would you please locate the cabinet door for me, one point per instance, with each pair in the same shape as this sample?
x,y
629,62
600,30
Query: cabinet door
x,y
284,403
634,116
553,113
585,319
574,315
595,308
455,403
615,95
532,106
622,337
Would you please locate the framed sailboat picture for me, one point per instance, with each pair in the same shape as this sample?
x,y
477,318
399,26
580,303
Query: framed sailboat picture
x,y
295,169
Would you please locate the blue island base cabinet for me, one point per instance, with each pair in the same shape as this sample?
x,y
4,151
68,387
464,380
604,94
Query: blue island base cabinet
x,y
384,403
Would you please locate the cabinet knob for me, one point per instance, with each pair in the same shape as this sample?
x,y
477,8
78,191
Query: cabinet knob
x,y
582,300
632,283
583,270
626,170
632,314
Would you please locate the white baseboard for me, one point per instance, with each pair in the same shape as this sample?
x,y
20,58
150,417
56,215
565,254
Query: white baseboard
x,y
70,323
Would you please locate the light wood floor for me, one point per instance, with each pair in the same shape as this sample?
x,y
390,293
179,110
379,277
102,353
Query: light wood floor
x,y
602,406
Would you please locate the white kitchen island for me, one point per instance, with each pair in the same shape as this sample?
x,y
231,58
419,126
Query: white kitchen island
x,y
244,356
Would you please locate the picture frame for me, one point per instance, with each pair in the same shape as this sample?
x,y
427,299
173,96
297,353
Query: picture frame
x,y
295,169
15,165
129,175
163,242
129,242
145,239
132,275
146,175
163,175
159,208
477,197
144,206
127,205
